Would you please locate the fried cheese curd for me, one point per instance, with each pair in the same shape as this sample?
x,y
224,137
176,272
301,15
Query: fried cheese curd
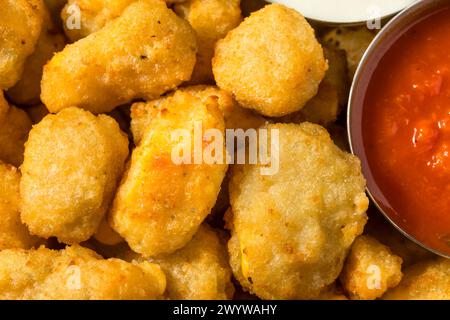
x,y
145,52
370,269
93,15
325,107
291,231
235,116
20,26
211,20
354,41
200,270
161,202
28,89
14,128
75,273
73,161
13,233
271,62
429,280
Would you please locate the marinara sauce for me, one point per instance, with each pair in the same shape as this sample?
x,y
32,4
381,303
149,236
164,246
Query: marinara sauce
x,y
406,130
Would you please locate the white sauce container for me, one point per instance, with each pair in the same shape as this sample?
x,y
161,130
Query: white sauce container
x,y
346,11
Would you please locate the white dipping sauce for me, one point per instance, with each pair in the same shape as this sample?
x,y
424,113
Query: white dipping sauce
x,y
346,11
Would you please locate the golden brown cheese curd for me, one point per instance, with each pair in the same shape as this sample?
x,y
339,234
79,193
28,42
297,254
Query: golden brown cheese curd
x,y
145,52
370,269
92,14
73,161
428,280
200,270
161,202
271,62
13,233
291,231
211,20
75,273
20,26
325,107
235,116
14,130
28,89
82,17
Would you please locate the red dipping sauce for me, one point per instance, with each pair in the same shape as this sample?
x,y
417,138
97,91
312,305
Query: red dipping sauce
x,y
406,130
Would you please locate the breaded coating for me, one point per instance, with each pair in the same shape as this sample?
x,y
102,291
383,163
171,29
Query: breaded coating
x,y
13,234
211,20
424,281
73,161
271,62
75,273
13,134
161,202
20,26
291,231
325,107
28,89
234,115
93,14
106,235
145,52
354,41
37,113
200,270
370,269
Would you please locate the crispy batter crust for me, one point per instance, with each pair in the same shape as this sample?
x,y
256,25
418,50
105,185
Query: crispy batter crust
x,y
75,273
370,269
73,161
271,62
160,204
291,231
145,52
